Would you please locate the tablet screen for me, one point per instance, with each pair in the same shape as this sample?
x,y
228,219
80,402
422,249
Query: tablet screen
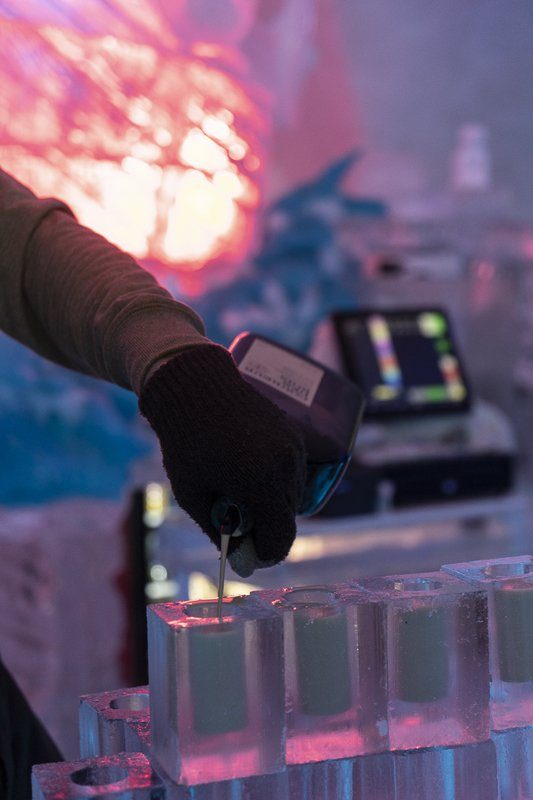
x,y
405,360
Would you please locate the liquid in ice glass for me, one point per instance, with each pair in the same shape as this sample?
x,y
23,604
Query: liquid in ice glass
x,y
509,585
437,656
334,672
216,689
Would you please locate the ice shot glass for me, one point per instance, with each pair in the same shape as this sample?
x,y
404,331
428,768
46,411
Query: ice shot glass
x,y
123,776
437,659
334,672
102,718
216,690
509,585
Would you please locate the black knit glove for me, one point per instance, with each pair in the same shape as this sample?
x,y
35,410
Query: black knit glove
x,y
220,438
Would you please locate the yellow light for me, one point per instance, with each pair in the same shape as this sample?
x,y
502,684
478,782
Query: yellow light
x,y
125,157
456,391
199,151
228,183
123,208
237,150
201,587
139,111
195,111
158,572
161,591
216,128
162,137
155,501
384,392
198,218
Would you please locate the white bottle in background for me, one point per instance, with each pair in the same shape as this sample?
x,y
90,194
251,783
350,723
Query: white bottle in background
x,y
471,160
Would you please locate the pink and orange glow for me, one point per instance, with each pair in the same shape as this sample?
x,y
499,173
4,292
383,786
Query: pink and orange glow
x,y
159,149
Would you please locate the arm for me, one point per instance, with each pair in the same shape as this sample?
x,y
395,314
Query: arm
x,y
76,299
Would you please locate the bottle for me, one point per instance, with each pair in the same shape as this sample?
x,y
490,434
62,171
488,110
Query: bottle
x,y
471,160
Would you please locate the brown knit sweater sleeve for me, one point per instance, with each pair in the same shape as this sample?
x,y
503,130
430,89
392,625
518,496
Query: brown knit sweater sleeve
x,y
76,299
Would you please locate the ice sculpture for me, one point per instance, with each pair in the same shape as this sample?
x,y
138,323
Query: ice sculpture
x,y
335,672
509,583
437,654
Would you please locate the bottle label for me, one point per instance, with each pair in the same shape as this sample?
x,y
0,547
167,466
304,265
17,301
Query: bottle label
x,y
289,374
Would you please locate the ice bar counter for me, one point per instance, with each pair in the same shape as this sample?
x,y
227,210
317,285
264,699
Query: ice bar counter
x,y
404,687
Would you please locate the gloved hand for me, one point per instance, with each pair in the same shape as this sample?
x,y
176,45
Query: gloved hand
x,y
220,438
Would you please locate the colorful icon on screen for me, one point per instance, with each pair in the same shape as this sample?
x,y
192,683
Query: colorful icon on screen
x,y
386,357
432,324
382,392
455,388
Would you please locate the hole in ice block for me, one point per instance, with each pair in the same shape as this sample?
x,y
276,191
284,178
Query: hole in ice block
x,y
131,702
309,596
415,585
99,776
508,570
207,610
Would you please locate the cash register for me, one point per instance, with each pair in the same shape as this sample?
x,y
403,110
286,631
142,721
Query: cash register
x,y
425,436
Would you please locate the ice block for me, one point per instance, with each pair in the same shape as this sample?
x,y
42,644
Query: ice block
x,y
138,736
216,689
124,776
334,672
509,584
466,772
373,777
102,717
330,780
514,752
437,656
262,787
